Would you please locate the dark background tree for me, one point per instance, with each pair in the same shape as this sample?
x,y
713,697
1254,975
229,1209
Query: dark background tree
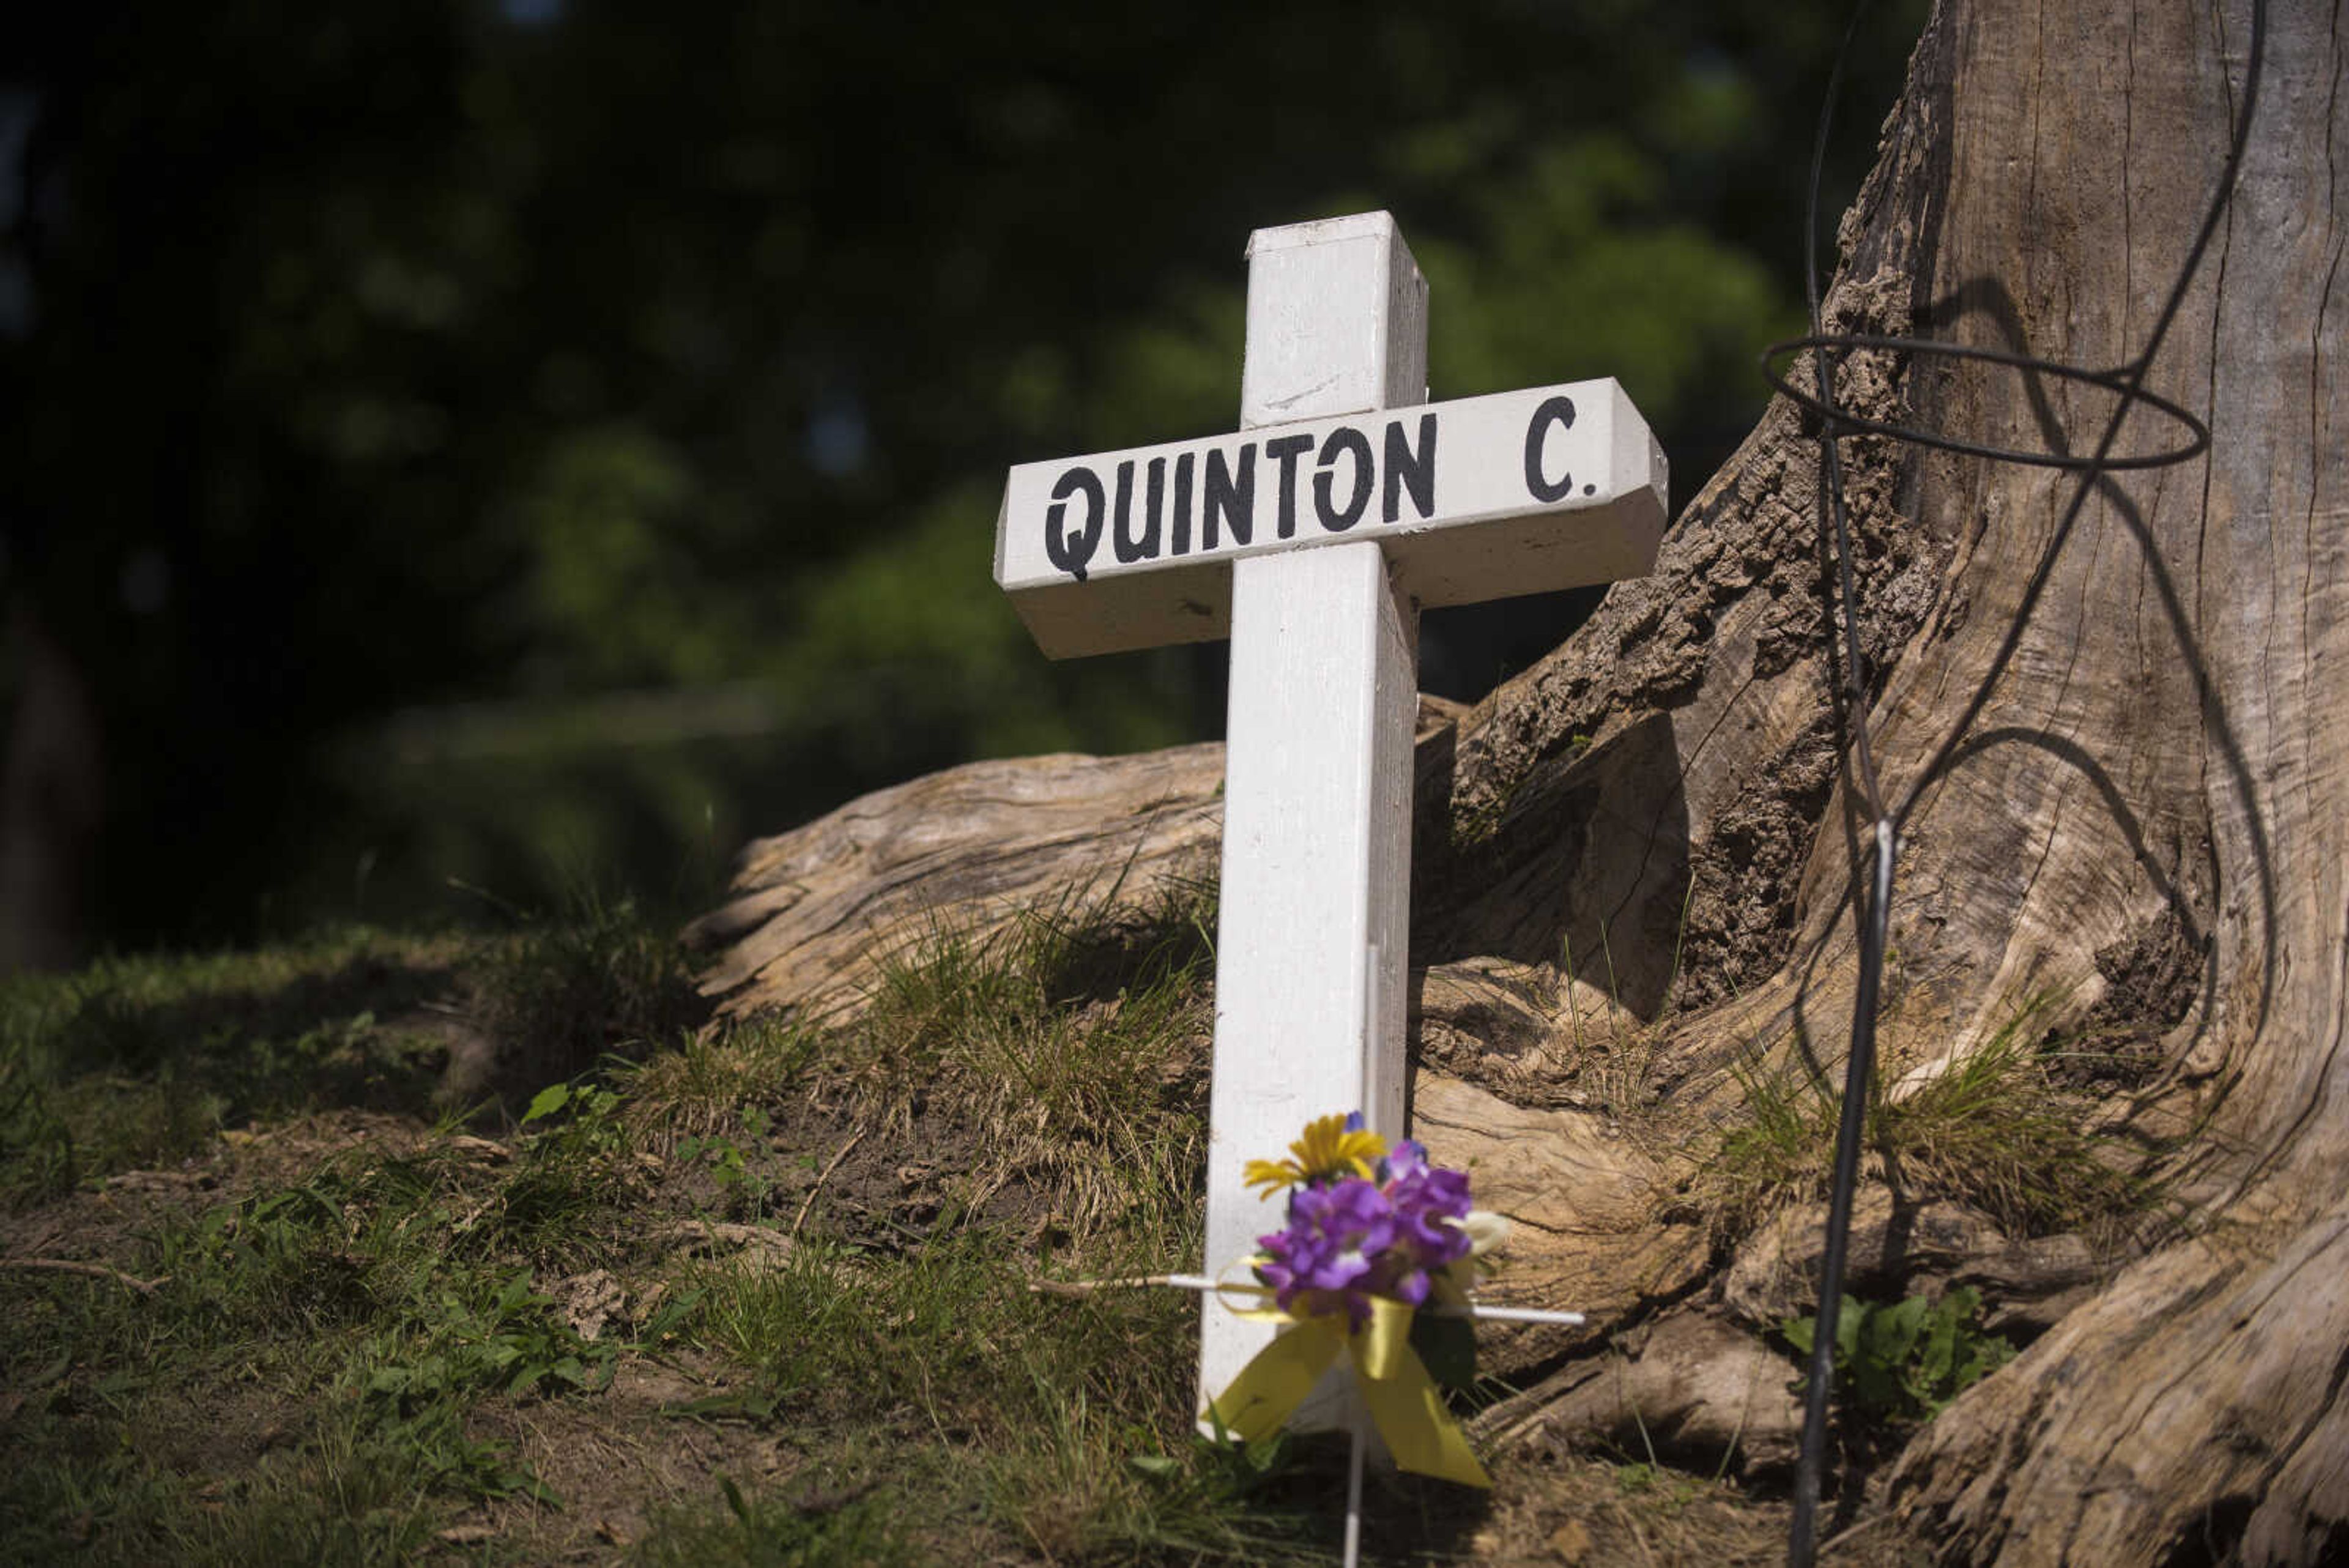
x,y
532,441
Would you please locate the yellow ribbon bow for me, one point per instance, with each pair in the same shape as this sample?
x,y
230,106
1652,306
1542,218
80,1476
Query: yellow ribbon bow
x,y
1404,1403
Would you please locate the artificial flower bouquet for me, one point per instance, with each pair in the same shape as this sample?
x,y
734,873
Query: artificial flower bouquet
x,y
1374,1262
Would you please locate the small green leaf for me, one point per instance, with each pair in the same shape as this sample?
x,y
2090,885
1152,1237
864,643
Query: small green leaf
x,y
547,1102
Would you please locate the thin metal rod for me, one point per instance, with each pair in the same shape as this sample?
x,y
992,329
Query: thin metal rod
x,y
1207,1284
1354,1498
1857,1073
1510,1315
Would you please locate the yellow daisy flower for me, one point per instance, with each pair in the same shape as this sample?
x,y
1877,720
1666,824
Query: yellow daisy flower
x,y
1329,1148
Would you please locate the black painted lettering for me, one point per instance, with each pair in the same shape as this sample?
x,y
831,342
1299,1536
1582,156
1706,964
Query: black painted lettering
x,y
1230,497
1070,552
1561,410
1405,468
1183,464
1338,519
1286,451
1128,545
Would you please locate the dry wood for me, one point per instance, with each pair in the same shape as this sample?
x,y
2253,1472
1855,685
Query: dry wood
x,y
817,910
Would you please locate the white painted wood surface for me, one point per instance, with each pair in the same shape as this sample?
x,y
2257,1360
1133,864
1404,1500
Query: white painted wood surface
x,y
1391,503
1315,903
1314,926
1127,549
1336,321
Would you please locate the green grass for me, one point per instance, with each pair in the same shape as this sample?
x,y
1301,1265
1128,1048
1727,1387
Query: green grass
x,y
765,1531
1995,1130
316,1347
138,1062
339,1328
562,993
1070,1050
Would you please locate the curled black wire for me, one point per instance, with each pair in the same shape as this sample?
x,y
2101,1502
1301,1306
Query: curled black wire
x,y
1872,912
1926,347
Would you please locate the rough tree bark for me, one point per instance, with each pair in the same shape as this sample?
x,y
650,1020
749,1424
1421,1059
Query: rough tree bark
x,y
2145,832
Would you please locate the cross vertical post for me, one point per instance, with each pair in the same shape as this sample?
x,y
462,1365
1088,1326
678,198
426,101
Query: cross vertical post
x,y
1314,926
1311,537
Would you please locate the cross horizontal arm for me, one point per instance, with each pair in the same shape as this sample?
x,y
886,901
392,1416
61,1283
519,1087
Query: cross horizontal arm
x,y
1481,498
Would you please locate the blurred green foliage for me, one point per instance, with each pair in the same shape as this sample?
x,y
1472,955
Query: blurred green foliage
x,y
483,438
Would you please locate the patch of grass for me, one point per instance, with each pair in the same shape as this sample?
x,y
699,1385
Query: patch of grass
x,y
1074,1039
350,1495
944,1336
579,1166
767,1531
369,1329
135,1063
698,1089
1995,1130
1065,1426
563,993
506,1337
1616,1072
59,1132
339,1294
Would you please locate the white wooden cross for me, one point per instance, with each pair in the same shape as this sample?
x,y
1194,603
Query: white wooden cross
x,y
1312,537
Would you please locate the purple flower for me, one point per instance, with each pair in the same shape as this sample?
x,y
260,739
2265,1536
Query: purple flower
x,y
1348,1240
1330,1251
1428,1203
1405,1158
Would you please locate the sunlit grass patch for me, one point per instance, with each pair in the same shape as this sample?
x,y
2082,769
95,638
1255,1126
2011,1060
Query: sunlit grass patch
x,y
823,1238
1074,1039
1994,1129
1057,1427
698,1089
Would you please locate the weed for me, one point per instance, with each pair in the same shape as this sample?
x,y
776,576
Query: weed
x,y
581,1162
510,1339
744,1188
1908,1360
1666,1492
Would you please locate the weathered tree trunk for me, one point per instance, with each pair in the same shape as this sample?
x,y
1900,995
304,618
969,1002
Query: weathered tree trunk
x,y
2144,832
2146,827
